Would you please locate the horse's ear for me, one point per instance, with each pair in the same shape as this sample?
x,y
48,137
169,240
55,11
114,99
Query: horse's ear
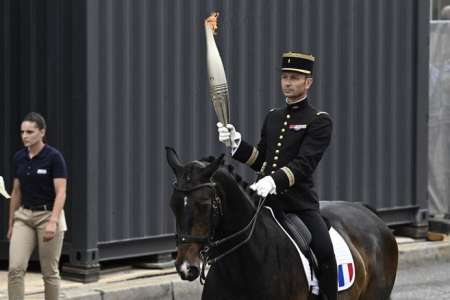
x,y
173,160
213,166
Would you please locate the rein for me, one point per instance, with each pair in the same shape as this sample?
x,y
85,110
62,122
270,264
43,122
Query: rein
x,y
210,243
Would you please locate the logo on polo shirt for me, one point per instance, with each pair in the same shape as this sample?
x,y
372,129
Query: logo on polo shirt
x,y
42,171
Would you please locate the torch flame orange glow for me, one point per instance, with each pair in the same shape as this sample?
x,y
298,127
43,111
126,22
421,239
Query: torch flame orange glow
x,y
211,21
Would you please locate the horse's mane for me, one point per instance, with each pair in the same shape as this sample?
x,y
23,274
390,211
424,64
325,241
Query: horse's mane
x,y
231,171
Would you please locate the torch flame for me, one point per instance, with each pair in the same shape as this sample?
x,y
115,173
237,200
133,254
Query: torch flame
x,y
211,21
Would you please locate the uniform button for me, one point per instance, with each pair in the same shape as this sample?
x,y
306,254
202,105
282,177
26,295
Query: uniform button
x,y
279,144
281,137
283,130
29,167
28,174
288,116
285,123
275,158
273,172
277,151
274,165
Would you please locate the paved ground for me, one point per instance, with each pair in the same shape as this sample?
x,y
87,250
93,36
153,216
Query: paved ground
x,y
165,284
428,281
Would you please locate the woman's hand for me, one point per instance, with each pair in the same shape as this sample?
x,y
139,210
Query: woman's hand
x,y
9,234
50,230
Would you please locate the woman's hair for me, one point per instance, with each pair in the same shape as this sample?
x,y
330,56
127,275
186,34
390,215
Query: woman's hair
x,y
36,118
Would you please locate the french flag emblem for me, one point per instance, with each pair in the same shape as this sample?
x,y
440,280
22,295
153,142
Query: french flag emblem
x,y
345,274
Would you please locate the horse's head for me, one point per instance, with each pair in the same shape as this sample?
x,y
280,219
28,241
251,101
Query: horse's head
x,y
195,204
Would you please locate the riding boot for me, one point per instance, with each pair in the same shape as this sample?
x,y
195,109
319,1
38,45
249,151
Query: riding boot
x,y
328,280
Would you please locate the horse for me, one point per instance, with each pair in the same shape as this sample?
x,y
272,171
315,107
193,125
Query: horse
x,y
220,222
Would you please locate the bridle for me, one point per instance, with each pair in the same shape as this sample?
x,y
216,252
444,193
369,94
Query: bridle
x,y
209,242
216,213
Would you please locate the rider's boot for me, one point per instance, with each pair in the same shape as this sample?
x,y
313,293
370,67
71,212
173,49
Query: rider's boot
x,y
328,280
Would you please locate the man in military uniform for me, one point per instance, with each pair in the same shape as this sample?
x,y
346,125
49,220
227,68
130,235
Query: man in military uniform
x,y
293,140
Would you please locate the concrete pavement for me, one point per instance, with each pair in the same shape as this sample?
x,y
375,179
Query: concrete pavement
x,y
129,284
165,284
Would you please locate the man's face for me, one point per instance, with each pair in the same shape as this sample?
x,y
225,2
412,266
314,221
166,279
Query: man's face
x,y
295,85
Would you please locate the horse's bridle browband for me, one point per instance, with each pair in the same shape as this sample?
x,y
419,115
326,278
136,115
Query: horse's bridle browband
x,y
216,204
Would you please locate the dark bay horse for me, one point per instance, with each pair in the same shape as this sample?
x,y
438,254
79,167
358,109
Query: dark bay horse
x,y
220,222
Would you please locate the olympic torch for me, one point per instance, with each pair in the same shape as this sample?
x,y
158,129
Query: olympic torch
x,y
218,86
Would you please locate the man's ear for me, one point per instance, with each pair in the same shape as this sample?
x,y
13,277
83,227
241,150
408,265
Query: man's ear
x,y
309,82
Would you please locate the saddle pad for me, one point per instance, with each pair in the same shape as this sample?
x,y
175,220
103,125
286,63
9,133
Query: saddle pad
x,y
344,260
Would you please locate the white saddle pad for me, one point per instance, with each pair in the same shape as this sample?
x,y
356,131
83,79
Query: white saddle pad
x,y
344,260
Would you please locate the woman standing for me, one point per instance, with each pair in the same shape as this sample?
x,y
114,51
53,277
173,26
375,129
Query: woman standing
x,y
36,216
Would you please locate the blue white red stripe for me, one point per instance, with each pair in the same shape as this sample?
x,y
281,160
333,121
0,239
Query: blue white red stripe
x,y
345,274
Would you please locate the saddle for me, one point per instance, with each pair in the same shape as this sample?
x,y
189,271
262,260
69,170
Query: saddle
x,y
298,230
301,236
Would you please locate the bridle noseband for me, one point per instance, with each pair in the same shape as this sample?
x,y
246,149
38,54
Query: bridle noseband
x,y
209,241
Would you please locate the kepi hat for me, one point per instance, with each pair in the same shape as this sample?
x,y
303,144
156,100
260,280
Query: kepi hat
x,y
297,62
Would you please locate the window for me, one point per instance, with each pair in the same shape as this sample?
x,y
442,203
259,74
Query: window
x,y
440,10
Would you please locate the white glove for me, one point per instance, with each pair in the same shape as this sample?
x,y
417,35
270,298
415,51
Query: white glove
x,y
228,135
264,186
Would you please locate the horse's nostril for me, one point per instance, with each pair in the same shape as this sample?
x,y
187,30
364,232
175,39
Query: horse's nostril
x,y
193,271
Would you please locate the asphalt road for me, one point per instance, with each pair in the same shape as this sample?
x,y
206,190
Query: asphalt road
x,y
430,282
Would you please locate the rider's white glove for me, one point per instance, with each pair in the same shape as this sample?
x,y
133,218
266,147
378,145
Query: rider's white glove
x,y
228,135
264,186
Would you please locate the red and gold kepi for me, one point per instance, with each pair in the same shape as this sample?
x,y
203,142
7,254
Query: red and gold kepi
x,y
297,62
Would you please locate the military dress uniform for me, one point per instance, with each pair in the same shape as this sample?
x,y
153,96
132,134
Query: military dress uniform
x,y
293,140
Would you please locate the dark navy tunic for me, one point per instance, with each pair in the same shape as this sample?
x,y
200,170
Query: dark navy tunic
x,y
36,175
293,140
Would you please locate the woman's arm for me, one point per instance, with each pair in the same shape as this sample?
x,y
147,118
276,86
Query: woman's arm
x,y
60,198
16,200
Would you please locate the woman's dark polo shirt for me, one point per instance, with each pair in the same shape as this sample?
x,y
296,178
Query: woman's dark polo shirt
x,y
36,175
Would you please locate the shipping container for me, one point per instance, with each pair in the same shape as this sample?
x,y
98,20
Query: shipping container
x,y
118,80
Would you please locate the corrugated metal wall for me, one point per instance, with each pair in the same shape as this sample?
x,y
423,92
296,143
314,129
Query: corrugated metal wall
x,y
40,61
141,72
147,82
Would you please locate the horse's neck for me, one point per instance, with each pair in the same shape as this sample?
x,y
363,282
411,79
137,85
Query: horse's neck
x,y
237,207
238,211
242,266
267,252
